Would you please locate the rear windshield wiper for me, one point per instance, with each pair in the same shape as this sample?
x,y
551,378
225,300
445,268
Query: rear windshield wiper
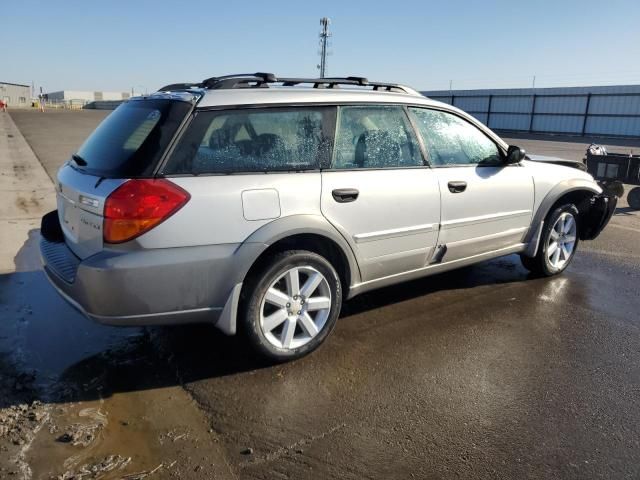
x,y
81,162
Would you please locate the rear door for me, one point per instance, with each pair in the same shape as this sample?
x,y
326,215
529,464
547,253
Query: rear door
x,y
378,192
127,144
486,205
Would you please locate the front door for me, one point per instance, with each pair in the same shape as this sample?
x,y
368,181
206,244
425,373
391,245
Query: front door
x,y
379,194
486,205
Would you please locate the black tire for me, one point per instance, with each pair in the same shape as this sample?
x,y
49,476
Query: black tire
x,y
540,264
256,288
633,198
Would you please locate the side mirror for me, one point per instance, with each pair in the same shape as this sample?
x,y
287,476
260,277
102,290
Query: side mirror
x,y
515,155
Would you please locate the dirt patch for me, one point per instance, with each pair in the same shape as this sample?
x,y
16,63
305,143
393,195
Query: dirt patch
x,y
99,469
21,418
76,398
83,434
103,418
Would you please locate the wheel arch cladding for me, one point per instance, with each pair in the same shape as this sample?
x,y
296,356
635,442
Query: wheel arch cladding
x,y
580,198
297,232
307,232
312,242
590,214
577,191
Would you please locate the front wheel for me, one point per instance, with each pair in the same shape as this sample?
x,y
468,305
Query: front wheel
x,y
291,305
558,242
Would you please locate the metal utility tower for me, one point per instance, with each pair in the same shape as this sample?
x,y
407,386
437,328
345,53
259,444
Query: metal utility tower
x,y
324,43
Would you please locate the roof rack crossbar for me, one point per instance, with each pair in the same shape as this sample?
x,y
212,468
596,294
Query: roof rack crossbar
x,y
331,82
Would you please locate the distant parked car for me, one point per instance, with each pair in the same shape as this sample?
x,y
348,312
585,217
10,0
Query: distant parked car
x,y
259,204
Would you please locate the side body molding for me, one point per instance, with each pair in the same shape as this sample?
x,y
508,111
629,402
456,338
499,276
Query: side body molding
x,y
532,238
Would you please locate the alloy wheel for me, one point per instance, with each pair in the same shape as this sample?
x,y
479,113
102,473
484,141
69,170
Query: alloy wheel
x,y
295,307
562,240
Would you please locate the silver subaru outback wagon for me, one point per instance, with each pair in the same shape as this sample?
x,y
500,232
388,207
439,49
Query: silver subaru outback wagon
x,y
260,203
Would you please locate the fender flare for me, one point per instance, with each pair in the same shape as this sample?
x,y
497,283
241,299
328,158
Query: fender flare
x,y
261,239
532,239
289,226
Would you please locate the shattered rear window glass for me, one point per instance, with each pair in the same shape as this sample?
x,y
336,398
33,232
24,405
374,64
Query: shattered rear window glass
x,y
450,140
252,140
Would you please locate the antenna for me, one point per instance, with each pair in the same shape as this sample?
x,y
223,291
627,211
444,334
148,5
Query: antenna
x,y
324,43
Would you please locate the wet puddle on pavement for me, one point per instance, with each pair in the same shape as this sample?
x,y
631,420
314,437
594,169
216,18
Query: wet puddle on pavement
x,y
80,400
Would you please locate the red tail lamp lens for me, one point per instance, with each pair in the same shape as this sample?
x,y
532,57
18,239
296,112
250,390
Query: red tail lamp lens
x,y
137,206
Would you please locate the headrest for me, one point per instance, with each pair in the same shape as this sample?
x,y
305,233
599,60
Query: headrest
x,y
376,148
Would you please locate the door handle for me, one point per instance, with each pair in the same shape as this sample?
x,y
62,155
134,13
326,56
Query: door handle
x,y
457,187
345,195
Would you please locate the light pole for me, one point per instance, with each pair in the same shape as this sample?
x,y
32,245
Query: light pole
x,y
324,42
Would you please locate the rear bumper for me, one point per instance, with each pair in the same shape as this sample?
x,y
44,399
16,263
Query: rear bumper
x,y
598,215
201,315
147,287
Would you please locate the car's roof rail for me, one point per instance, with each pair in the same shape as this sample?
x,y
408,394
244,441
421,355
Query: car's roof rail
x,y
334,82
261,79
178,86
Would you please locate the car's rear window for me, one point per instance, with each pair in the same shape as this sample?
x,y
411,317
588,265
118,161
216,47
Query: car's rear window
x,y
131,140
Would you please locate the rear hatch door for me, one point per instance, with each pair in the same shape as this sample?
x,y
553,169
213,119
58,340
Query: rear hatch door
x,y
81,207
129,143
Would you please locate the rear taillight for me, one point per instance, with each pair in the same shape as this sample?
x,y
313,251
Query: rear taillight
x,y
137,206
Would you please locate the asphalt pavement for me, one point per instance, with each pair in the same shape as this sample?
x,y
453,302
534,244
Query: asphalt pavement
x,y
570,147
483,372
55,134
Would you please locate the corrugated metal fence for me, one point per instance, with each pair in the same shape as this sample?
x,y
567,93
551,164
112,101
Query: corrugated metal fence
x,y
610,110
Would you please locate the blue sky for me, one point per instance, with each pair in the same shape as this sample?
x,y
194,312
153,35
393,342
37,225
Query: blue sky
x,y
117,45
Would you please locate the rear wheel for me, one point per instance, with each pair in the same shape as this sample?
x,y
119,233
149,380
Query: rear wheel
x,y
291,305
558,242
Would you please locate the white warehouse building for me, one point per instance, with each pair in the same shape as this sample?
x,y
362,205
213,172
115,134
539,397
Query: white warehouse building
x,y
15,94
73,96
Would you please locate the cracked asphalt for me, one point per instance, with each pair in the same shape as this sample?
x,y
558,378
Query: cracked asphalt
x,y
483,372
